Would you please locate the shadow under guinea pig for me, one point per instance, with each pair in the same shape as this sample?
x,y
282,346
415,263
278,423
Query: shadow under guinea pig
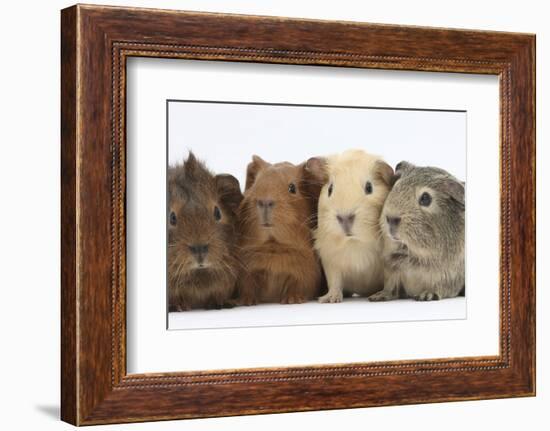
x,y
203,261
275,221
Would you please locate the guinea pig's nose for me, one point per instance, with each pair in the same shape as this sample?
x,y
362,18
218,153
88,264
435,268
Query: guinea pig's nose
x,y
265,207
265,203
346,221
393,221
200,251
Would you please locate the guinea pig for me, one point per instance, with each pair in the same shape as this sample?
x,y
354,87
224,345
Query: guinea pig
x,y
423,225
348,236
203,262
275,220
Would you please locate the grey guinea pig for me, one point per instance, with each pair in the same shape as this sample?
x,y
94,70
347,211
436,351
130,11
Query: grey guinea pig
x,y
423,228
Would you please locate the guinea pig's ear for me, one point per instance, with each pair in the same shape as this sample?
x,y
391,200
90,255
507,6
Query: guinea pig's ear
x,y
314,177
229,191
454,189
401,168
255,166
316,169
384,172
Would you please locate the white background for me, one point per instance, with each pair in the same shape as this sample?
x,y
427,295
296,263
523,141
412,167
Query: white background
x,y
152,349
29,232
226,135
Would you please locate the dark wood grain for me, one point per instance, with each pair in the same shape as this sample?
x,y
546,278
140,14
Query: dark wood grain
x,y
68,218
96,41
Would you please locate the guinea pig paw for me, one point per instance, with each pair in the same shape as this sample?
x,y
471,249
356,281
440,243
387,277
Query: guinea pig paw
x,y
381,296
293,299
331,297
247,301
427,295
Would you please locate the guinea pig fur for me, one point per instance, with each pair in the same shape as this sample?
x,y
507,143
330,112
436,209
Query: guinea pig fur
x,y
275,220
348,236
202,258
423,225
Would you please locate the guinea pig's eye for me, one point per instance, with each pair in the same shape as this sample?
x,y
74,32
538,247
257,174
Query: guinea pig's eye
x,y
217,214
368,188
292,188
330,187
173,219
425,199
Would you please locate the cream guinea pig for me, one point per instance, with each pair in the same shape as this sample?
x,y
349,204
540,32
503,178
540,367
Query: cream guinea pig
x,y
348,236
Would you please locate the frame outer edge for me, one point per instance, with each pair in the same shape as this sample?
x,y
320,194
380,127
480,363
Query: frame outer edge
x,y
87,397
532,127
533,54
69,201
523,185
531,83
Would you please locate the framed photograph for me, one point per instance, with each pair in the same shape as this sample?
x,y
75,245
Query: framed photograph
x,y
266,215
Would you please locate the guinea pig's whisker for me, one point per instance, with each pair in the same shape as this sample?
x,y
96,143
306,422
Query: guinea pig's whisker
x,y
241,264
232,271
179,270
310,218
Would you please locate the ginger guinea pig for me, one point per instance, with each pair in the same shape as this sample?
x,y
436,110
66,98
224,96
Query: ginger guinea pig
x,y
275,218
423,226
202,258
348,236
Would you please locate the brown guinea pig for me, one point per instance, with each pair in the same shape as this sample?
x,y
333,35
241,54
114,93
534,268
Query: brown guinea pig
x,y
202,259
275,221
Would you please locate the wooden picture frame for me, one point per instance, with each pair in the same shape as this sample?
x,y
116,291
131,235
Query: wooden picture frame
x,y
95,43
